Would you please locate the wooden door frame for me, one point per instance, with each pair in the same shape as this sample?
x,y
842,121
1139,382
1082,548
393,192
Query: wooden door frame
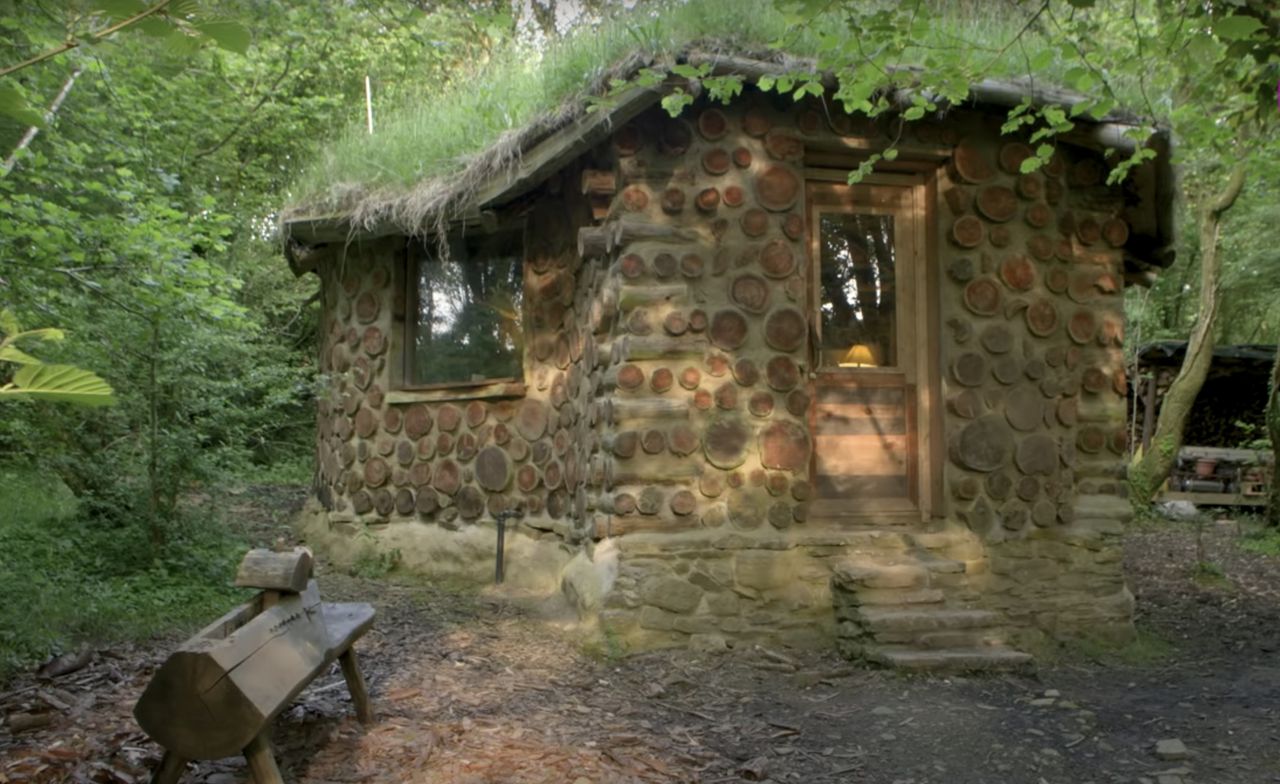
x,y
921,178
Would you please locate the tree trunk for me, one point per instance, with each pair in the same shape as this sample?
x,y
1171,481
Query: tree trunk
x,y
1273,431
1147,473
34,130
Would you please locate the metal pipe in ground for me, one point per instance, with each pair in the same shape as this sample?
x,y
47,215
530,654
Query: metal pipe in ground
x,y
499,556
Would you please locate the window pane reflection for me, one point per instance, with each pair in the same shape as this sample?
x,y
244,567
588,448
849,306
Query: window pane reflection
x,y
858,290
467,324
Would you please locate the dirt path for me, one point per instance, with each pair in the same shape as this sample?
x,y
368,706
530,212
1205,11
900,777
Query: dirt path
x,y
473,689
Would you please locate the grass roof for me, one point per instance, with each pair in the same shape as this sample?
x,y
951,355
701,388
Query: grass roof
x,y
425,155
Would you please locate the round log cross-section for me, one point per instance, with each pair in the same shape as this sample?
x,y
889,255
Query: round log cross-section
x,y
967,231
715,161
1018,273
1083,326
728,329
969,369
982,297
777,188
997,203
493,469
985,444
754,222
777,260
761,404
783,373
971,163
784,446
1024,408
785,329
725,442
448,417
531,420
1012,155
712,124
1042,317
746,372
997,339
750,292
1037,454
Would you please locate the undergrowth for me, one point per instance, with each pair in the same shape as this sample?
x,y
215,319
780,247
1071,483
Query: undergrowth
x,y
1263,541
1146,648
69,580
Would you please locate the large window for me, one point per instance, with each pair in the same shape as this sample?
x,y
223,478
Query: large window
x,y
464,324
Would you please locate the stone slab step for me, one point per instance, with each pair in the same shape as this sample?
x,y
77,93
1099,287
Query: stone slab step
x,y
949,659
891,596
884,574
977,638
926,619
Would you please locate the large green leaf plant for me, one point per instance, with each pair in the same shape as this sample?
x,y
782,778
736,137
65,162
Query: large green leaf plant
x,y
37,380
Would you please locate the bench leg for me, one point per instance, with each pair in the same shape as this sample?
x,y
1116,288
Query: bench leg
x,y
261,763
355,685
170,769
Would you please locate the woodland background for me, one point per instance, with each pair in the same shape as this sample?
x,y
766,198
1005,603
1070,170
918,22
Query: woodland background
x,y
142,219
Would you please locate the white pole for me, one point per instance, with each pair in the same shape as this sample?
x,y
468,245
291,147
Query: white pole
x,y
368,102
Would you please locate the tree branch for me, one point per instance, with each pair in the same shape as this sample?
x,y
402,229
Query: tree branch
x,y
72,43
31,133
288,62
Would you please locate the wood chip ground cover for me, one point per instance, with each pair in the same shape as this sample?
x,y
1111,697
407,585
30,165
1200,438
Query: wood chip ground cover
x,y
476,689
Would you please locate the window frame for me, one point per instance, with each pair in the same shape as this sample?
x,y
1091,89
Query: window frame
x,y
415,251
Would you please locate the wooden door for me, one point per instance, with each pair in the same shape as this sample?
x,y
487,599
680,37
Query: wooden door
x,y
870,347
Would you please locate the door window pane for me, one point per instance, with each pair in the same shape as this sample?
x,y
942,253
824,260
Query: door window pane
x,y
858,290
467,326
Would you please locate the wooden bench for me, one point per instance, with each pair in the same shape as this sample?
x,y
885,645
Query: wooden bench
x,y
217,694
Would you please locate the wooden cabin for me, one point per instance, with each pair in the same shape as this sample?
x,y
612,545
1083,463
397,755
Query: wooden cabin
x,y
888,416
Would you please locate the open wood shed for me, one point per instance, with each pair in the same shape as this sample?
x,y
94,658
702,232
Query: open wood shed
x,y
888,416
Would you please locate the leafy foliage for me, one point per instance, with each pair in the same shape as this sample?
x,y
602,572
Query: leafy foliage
x,y
36,380
70,580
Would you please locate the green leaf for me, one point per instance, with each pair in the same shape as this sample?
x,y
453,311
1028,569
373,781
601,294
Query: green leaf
x,y
1030,164
231,36
913,113
45,333
59,384
891,154
14,104
1042,60
120,9
1234,28
17,356
9,322
676,102
765,83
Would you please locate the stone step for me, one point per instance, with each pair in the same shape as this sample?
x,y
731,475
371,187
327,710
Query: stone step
x,y
923,619
895,596
910,570
885,574
948,659
951,544
977,638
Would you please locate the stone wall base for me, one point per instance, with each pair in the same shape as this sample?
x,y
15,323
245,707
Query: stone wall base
x,y
534,561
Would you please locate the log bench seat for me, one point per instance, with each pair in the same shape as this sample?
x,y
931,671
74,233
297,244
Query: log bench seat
x,y
217,694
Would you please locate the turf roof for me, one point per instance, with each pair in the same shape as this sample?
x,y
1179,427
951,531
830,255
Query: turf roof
x,y
428,157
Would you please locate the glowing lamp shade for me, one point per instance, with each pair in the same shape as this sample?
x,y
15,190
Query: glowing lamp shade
x,y
860,355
